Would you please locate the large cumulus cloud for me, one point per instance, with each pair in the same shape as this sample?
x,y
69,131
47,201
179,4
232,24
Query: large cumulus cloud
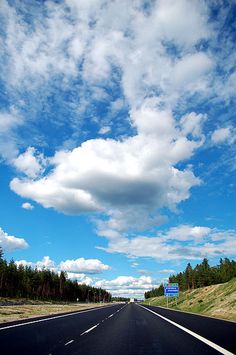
x,y
111,176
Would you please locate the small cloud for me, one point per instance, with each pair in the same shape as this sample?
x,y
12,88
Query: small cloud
x,y
104,130
222,135
27,206
11,243
81,265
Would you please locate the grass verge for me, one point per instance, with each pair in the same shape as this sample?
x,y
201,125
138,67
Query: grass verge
x,y
217,301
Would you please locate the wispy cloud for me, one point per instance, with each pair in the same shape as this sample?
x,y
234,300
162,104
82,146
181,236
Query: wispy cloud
x,y
178,243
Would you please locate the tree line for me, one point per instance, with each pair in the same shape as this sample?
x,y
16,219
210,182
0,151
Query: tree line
x,y
202,275
27,282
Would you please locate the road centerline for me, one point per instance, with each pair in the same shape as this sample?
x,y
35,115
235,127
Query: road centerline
x,y
90,329
102,321
197,336
69,342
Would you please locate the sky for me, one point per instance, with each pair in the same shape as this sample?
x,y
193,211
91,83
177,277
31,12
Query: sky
x,y
117,137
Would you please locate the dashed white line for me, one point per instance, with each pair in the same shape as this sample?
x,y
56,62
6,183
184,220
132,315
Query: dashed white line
x,y
199,337
95,326
90,329
69,342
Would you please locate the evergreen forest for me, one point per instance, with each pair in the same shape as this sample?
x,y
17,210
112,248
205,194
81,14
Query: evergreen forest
x,y
27,282
201,275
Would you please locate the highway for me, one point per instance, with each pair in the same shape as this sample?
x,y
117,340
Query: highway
x,y
119,329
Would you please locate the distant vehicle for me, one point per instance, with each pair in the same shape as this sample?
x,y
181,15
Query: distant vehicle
x,y
131,300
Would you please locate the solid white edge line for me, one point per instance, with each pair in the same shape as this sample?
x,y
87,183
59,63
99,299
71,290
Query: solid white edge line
x,y
196,314
69,342
199,337
52,317
89,330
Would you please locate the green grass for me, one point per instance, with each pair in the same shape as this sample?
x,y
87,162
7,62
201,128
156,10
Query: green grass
x,y
216,301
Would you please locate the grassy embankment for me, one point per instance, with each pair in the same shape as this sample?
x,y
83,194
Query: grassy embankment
x,y
11,310
216,301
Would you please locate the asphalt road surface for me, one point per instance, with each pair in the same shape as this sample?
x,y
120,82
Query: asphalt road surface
x,y
119,329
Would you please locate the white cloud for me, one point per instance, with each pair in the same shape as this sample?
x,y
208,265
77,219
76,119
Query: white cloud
x,y
30,163
81,265
223,135
76,269
9,122
189,69
46,263
37,53
11,243
128,286
81,278
114,176
40,50
25,263
181,21
183,242
186,232
192,124
104,130
27,206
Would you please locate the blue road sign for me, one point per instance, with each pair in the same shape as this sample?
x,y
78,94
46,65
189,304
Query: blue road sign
x,y
171,290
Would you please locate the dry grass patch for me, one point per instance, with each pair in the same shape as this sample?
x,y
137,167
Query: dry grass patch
x,y
17,312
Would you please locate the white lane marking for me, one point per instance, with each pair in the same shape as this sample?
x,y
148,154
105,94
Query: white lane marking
x,y
69,342
51,318
95,326
200,315
199,337
89,330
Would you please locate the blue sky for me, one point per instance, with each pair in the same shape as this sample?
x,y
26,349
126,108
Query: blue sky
x,y
117,137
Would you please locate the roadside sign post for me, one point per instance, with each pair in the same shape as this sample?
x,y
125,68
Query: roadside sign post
x,y
171,290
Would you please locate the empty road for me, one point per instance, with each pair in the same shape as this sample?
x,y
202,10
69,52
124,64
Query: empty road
x,y
119,329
